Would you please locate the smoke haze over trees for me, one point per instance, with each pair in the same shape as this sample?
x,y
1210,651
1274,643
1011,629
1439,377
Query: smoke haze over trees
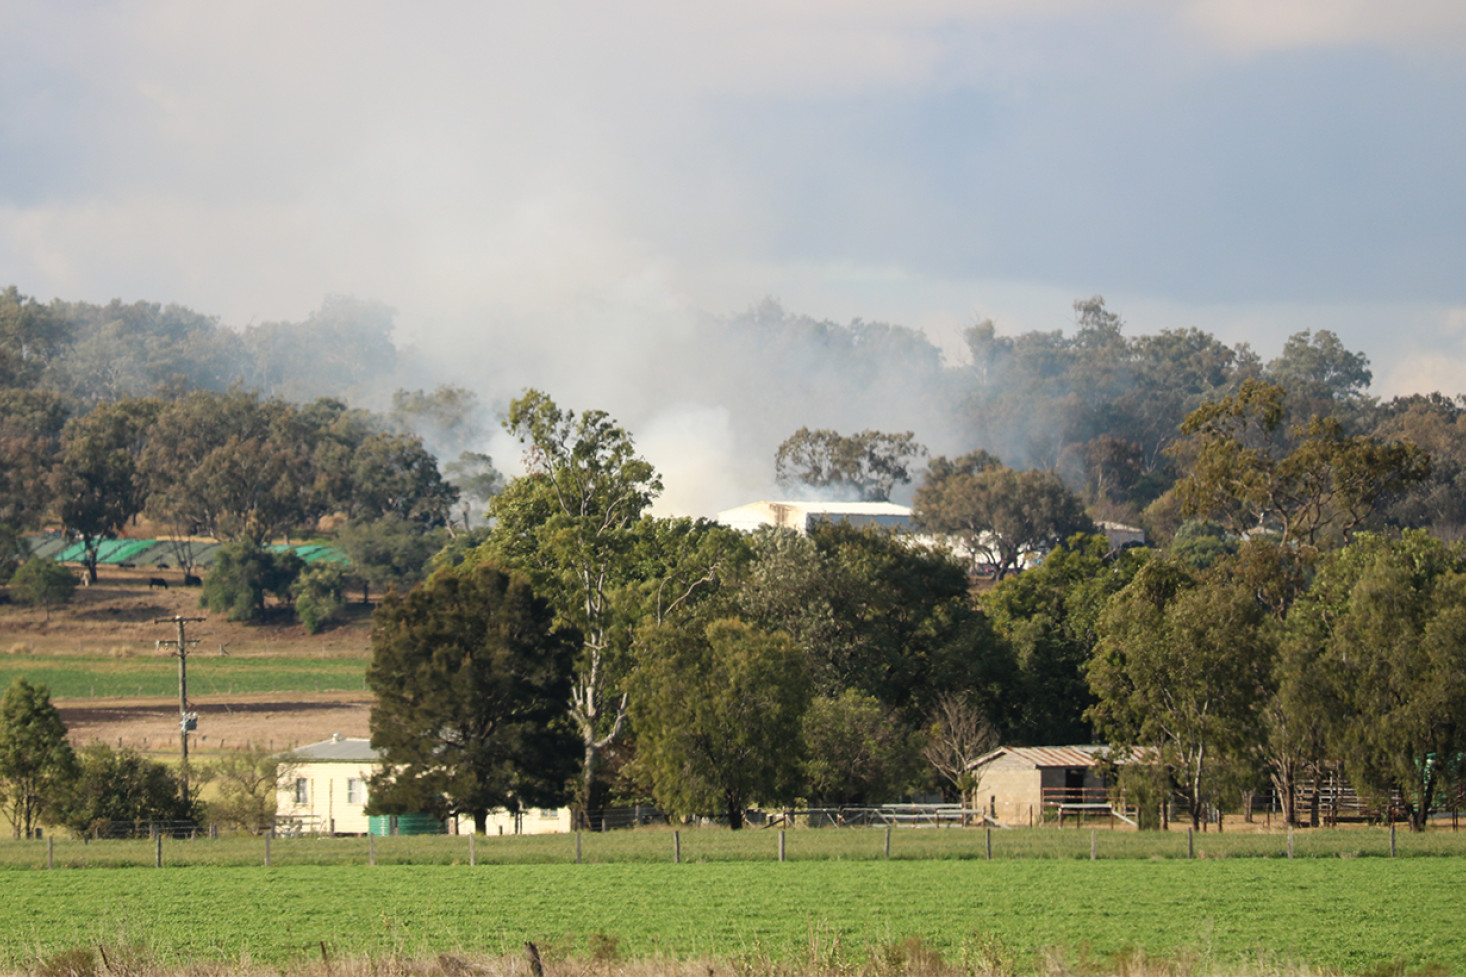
x,y
710,403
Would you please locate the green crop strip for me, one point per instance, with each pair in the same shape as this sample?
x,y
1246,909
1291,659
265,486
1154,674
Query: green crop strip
x,y
1351,915
101,676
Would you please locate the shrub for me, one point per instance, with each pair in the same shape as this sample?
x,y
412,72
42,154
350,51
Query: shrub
x,y
320,595
42,582
244,572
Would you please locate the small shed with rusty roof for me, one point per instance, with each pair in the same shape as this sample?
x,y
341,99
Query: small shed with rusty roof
x,y
1026,785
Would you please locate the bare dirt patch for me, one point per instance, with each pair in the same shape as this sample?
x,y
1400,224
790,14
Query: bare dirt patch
x,y
274,720
117,614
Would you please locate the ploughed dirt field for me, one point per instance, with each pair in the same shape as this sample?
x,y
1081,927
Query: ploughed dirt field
x,y
278,720
117,618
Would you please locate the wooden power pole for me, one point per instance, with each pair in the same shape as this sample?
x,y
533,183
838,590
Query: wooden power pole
x,y
187,721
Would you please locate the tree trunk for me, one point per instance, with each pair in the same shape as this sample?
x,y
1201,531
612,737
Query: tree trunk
x,y
734,804
588,793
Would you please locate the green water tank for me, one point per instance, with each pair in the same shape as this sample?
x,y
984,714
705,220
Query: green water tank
x,y
382,825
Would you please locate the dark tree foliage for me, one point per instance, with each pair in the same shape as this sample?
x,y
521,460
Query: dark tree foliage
x,y
44,583
718,716
394,475
98,484
31,422
858,751
1435,424
471,678
123,785
873,613
1320,375
1248,469
1182,667
1378,662
1049,615
31,337
13,552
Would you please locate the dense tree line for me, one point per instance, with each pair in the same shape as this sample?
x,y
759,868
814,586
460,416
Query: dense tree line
x,y
1293,521
716,669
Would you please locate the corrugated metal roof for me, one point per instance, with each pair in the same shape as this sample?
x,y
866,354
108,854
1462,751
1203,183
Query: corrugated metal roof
x,y
1060,756
345,748
1047,756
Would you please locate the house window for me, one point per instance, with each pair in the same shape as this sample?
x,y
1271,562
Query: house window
x,y
355,790
302,790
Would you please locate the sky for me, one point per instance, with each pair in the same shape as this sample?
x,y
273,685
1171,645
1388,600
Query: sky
x,y
574,181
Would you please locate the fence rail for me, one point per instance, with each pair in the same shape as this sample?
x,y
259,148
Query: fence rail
x,y
693,844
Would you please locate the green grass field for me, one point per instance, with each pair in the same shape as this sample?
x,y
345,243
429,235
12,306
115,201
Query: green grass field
x,y
90,676
697,845
1354,916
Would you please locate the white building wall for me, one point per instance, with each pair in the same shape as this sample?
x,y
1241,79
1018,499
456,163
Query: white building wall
x,y
331,804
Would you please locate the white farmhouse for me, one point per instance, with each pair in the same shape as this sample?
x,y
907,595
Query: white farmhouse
x,y
324,786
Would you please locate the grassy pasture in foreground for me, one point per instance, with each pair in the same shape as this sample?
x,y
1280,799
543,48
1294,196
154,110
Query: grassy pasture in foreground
x,y
1356,916
655,846
156,674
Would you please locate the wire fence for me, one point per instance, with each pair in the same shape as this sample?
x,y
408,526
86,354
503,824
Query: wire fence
x,y
178,846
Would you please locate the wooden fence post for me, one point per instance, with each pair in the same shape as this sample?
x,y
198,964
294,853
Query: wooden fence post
x,y
158,859
781,844
51,850
1093,845
267,849
888,842
472,836
371,849
577,848
676,847
1392,839
990,843
1190,842
1290,841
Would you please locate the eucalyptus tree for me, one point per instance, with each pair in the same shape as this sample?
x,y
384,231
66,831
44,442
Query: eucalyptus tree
x,y
998,515
867,465
1248,469
1381,662
98,483
1182,668
571,523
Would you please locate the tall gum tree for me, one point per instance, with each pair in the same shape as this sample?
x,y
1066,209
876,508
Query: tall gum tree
x,y
570,523
997,514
